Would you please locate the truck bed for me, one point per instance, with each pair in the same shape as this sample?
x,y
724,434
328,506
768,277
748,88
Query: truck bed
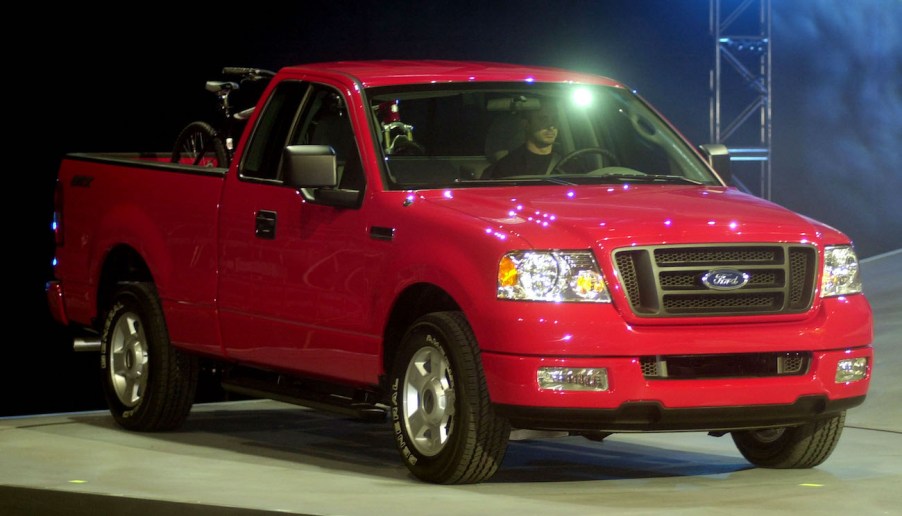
x,y
123,203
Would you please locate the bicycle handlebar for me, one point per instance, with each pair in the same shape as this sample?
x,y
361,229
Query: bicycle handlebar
x,y
248,73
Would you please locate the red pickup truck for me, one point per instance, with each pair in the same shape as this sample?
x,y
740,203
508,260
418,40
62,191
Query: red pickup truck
x,y
464,249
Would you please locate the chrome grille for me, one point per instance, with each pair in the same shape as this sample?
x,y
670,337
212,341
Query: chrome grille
x,y
667,281
678,256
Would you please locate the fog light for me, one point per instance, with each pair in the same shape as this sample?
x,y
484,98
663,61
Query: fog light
x,y
851,370
573,379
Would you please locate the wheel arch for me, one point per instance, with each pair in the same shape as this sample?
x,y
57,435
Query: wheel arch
x,y
412,303
122,263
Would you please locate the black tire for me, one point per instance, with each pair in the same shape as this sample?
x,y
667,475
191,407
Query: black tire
x,y
444,424
148,384
796,447
199,144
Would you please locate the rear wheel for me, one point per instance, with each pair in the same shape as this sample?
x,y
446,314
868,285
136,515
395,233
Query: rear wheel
x,y
200,144
445,427
799,447
149,385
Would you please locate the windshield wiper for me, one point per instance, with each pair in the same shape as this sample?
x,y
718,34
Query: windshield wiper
x,y
652,178
544,179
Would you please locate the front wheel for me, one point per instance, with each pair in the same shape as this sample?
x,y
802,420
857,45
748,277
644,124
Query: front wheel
x,y
444,425
199,144
798,447
149,385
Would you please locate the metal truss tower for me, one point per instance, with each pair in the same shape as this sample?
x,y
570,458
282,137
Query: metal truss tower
x,y
740,108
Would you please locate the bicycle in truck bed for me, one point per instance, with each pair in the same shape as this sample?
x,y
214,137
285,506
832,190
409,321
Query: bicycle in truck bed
x,y
205,144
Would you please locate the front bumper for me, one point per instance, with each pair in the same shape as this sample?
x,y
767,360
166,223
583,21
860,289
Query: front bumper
x,y
634,402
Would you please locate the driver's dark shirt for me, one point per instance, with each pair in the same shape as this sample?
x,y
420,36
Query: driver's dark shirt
x,y
521,162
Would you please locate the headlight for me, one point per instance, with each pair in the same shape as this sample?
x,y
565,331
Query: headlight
x,y
551,276
840,271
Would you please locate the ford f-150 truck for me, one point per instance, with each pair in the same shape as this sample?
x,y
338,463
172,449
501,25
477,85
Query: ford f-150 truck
x,y
464,249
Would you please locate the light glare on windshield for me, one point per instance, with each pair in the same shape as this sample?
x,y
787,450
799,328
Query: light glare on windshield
x,y
582,97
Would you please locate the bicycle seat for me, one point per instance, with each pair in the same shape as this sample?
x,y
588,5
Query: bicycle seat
x,y
221,86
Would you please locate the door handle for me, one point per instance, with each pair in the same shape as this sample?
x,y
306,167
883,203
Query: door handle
x,y
265,226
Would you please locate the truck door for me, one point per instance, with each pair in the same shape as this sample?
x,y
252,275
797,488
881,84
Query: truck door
x,y
292,282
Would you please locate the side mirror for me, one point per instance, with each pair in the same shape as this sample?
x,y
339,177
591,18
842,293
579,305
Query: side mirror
x,y
309,166
718,157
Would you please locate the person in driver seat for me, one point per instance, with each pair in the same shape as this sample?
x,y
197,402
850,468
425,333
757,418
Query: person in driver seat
x,y
537,155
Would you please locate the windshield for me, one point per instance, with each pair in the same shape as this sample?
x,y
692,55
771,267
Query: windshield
x,y
478,134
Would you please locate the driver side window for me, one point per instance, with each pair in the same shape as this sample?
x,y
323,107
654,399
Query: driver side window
x,y
261,162
324,120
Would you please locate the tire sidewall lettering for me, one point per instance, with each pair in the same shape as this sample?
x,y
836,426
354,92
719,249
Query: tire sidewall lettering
x,y
112,316
118,310
399,436
436,343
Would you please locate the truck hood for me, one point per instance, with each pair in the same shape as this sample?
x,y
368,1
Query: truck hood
x,y
621,215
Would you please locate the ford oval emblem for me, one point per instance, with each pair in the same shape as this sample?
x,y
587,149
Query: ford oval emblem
x,y
725,279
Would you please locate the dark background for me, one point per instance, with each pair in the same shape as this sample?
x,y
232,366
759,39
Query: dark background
x,y
85,79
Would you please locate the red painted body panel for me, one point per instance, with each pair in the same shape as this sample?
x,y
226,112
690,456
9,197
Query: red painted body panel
x,y
512,380
388,73
57,303
300,300
167,218
599,330
317,299
576,336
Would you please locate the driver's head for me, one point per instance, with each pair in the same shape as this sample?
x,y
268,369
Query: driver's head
x,y
541,128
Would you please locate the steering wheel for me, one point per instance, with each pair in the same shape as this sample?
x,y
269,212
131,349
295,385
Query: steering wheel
x,y
608,155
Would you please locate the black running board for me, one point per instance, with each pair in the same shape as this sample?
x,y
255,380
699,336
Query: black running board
x,y
357,403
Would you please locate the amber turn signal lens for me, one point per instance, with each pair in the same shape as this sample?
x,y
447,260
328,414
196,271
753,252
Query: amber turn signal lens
x,y
507,272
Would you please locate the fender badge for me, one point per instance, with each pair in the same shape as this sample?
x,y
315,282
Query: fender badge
x,y
725,279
